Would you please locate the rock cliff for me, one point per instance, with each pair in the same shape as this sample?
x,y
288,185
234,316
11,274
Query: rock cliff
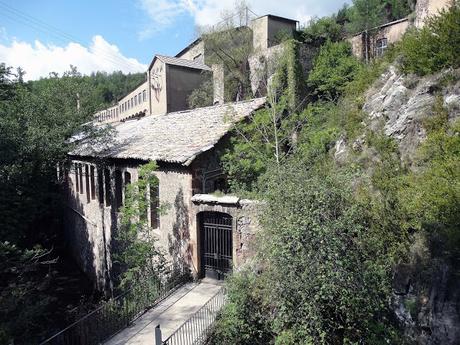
x,y
426,291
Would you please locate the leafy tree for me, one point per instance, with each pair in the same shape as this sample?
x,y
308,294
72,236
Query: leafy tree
x,y
37,119
137,257
321,30
333,69
435,46
201,96
364,16
270,134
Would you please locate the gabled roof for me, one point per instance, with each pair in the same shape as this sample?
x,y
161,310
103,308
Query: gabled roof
x,y
169,60
191,45
177,137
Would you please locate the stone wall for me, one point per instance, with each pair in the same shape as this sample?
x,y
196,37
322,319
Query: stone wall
x,y
393,32
245,224
195,52
90,225
427,8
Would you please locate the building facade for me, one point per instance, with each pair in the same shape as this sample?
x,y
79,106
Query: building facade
x,y
374,42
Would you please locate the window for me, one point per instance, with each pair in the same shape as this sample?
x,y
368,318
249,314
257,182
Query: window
x,y
135,100
88,193
93,185
380,46
127,178
100,185
77,182
154,205
118,189
139,98
132,102
144,96
107,187
80,175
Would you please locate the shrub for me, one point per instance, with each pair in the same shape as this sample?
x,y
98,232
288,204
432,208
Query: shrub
x,y
328,280
435,46
333,69
243,320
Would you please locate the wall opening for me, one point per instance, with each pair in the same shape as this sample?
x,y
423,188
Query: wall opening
x,y
216,244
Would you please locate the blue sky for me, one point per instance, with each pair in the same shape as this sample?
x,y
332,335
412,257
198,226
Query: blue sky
x,y
48,35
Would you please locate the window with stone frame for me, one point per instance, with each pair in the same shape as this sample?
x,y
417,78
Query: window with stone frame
x,y
80,176
77,182
380,46
100,185
92,182
118,189
154,192
107,188
88,193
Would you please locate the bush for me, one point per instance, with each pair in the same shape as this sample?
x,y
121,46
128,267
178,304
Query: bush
x,y
326,284
320,30
435,46
332,70
243,321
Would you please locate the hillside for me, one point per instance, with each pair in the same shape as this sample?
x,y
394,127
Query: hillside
x,y
360,239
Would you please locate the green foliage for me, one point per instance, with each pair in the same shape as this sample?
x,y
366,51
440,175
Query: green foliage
x,y
243,320
397,9
23,299
136,253
321,30
333,69
201,96
231,48
430,194
365,15
270,134
37,119
435,46
318,224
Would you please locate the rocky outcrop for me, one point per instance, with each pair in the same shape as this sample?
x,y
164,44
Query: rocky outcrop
x,y
426,290
398,104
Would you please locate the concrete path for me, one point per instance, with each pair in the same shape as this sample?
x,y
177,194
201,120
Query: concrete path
x,y
170,314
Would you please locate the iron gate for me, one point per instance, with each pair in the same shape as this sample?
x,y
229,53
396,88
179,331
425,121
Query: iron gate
x,y
216,244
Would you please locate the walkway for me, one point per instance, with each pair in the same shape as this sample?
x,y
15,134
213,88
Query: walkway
x,y
170,314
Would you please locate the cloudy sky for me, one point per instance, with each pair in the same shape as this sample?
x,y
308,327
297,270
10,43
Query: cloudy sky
x,y
44,36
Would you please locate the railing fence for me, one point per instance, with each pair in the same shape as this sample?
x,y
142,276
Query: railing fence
x,y
117,313
195,330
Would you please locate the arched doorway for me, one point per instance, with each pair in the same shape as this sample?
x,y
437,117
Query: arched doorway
x,y
216,244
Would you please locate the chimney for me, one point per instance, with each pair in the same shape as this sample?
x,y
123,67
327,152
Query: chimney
x,y
218,83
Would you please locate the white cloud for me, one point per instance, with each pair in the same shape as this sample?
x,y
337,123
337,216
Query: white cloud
x,y
163,13
38,59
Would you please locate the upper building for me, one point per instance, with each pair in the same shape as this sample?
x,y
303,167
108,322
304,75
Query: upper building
x,y
170,80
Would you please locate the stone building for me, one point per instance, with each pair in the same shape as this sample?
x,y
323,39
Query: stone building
x,y
374,42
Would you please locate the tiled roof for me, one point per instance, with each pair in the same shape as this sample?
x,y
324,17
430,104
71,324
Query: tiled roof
x,y
183,62
176,137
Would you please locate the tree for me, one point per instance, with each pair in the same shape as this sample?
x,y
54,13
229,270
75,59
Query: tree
x,y
136,254
333,69
270,134
366,15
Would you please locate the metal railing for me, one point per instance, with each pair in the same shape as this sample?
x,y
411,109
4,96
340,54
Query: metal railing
x,y
195,330
117,313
